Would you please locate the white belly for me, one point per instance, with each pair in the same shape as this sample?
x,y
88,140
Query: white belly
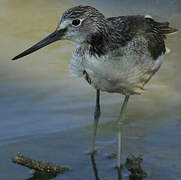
x,y
127,75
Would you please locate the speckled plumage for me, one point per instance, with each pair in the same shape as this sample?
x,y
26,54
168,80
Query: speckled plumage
x,y
122,53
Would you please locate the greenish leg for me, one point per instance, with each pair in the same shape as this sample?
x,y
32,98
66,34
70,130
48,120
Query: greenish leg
x,y
120,122
97,114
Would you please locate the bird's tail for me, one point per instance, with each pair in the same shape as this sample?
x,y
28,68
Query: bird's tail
x,y
162,28
165,28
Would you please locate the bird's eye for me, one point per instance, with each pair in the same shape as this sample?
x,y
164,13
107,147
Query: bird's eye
x,y
76,22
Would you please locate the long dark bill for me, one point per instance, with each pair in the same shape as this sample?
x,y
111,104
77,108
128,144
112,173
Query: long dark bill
x,y
55,36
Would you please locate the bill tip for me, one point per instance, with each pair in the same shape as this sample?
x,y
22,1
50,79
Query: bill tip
x,y
14,58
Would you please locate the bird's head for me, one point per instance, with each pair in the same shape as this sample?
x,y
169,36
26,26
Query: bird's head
x,y
78,24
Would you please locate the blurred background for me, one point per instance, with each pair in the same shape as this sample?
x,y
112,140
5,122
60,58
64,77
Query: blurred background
x,y
47,114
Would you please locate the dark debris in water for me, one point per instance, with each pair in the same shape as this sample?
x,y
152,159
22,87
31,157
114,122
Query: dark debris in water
x,y
46,170
133,165
41,168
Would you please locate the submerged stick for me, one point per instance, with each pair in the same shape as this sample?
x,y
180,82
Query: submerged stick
x,y
39,165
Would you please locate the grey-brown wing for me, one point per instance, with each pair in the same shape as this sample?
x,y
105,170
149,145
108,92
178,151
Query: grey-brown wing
x,y
125,28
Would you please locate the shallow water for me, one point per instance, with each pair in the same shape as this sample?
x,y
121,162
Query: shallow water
x,y
48,115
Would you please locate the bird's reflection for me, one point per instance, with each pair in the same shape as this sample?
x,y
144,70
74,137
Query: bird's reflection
x,y
119,174
95,170
96,173
94,167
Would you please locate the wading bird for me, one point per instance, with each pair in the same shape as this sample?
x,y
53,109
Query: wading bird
x,y
116,54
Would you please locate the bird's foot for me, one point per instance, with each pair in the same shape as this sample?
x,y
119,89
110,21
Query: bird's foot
x,y
92,152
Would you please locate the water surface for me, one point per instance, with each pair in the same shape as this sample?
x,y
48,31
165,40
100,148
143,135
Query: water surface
x,y
47,114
